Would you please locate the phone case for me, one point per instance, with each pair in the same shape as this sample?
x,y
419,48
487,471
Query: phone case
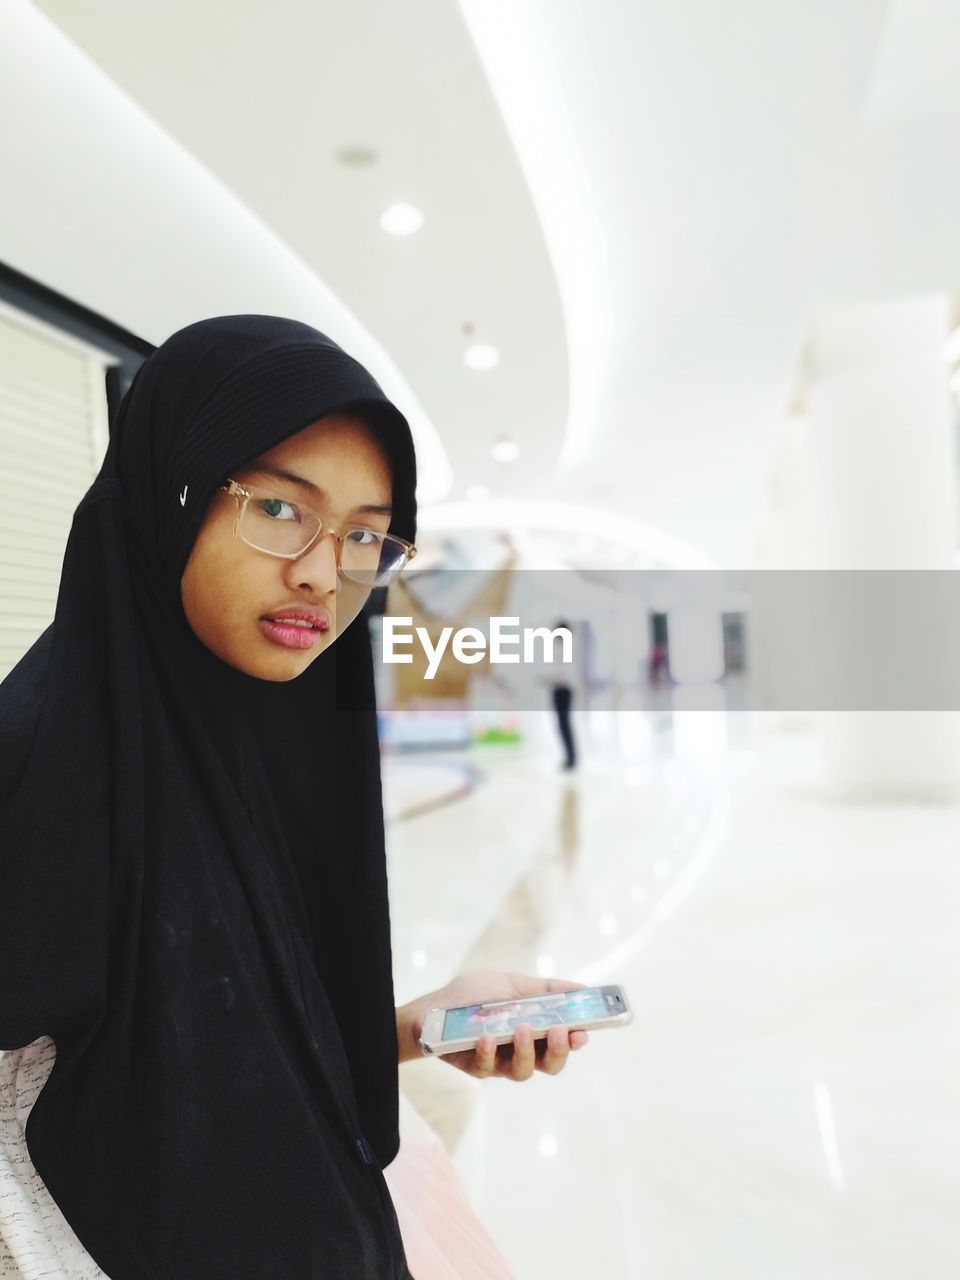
x,y
431,1042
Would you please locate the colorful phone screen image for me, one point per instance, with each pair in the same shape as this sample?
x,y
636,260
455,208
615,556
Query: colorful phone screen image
x,y
502,1016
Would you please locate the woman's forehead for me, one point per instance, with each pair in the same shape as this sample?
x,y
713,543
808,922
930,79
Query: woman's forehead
x,y
345,446
326,468
337,435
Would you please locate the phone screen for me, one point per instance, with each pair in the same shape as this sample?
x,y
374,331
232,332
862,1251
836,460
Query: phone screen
x,y
501,1016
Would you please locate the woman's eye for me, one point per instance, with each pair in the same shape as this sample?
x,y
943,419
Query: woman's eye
x,y
277,509
365,537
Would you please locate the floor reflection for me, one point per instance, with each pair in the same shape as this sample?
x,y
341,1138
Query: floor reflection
x,y
787,1100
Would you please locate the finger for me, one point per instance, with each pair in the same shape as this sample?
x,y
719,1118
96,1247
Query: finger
x,y
578,1039
556,1051
524,1059
485,1056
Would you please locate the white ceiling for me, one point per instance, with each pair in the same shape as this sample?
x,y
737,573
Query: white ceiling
x,y
265,95
671,193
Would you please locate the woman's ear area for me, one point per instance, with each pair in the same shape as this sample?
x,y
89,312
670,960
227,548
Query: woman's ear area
x,y
213,578
191,580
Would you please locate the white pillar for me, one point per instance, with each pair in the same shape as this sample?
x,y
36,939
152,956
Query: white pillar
x,y
881,449
783,541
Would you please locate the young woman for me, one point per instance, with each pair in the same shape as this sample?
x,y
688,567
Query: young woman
x,y
195,964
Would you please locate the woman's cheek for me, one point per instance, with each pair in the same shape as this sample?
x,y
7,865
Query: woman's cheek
x,y
348,607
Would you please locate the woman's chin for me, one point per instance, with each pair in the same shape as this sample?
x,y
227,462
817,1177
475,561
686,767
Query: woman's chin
x,y
288,666
276,665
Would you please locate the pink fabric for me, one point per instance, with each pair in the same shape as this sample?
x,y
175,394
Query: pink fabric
x,y
442,1236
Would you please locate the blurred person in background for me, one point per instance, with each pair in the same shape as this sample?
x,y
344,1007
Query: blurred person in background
x,y
562,690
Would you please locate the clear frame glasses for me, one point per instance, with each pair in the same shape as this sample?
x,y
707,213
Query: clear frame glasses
x,y
288,529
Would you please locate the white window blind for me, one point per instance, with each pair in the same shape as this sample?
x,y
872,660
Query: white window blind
x,y
53,434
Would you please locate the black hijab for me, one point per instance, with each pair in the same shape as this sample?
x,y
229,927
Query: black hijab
x,y
193,893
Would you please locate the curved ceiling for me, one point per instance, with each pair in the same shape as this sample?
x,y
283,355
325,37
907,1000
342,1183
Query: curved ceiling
x,y
266,96
707,179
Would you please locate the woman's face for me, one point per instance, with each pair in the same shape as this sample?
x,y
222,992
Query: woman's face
x,y
230,591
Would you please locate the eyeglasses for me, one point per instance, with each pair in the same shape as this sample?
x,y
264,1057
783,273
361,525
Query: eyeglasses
x,y
289,529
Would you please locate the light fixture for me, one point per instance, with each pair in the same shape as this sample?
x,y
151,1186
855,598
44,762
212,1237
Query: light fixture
x,y
481,356
505,450
356,156
401,219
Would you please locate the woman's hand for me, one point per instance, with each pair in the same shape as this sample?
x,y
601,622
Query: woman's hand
x,y
515,1061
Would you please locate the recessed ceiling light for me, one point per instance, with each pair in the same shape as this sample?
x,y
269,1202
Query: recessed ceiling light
x,y
401,219
505,450
357,157
481,356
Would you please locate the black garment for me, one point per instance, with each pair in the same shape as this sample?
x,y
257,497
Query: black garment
x,y
562,698
193,893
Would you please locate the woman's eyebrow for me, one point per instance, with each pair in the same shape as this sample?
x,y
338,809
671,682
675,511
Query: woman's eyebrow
x,y
269,469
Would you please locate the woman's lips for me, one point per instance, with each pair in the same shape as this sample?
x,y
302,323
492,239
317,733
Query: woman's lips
x,y
290,634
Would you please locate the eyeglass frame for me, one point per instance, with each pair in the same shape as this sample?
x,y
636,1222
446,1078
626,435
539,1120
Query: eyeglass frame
x,y
243,496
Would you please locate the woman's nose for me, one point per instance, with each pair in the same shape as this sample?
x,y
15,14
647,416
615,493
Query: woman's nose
x,y
317,569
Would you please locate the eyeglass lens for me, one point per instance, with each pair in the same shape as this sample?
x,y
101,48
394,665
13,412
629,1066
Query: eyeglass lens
x,y
273,524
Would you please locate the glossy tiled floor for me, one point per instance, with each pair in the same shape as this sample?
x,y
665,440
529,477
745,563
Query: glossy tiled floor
x,y
786,1103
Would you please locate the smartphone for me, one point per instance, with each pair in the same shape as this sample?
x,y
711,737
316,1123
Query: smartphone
x,y
581,1009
